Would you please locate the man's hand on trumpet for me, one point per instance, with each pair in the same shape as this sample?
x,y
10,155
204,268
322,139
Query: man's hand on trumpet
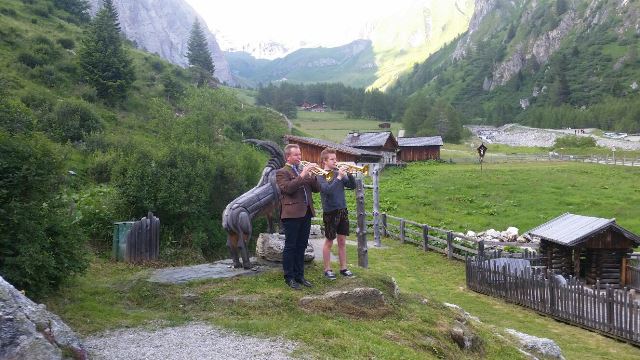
x,y
307,169
342,172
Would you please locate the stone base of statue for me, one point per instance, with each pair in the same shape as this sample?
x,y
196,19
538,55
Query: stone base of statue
x,y
270,247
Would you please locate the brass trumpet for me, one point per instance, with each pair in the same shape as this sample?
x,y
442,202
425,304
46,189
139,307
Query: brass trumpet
x,y
316,170
352,168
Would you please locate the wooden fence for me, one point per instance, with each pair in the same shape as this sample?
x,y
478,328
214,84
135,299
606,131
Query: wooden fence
x,y
504,158
137,241
612,312
631,274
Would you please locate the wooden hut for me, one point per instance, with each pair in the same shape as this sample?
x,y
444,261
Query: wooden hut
x,y
382,143
419,148
586,247
311,149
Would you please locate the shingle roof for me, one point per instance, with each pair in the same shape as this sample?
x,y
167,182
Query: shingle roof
x,y
569,229
420,141
324,143
367,138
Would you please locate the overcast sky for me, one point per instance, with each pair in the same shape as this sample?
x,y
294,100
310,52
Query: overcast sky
x,y
326,22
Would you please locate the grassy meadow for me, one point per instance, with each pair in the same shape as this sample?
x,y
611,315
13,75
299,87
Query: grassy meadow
x,y
334,125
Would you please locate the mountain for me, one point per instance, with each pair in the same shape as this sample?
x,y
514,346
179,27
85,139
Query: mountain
x,y
388,46
163,27
353,64
546,63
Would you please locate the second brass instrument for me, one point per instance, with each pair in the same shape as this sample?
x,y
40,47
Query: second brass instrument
x,y
352,168
316,170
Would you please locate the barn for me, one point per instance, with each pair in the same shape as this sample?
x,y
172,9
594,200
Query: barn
x,y
382,143
586,247
311,149
419,148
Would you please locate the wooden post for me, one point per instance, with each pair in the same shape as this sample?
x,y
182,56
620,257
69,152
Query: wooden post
x,y
402,231
449,245
361,231
481,249
384,225
376,206
425,237
623,272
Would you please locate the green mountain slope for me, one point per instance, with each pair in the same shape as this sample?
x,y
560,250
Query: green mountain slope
x,y
72,163
552,63
395,42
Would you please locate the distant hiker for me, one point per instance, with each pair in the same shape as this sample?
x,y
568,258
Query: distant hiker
x,y
296,185
334,212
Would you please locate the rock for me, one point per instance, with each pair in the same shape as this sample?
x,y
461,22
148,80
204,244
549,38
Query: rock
x,y
544,347
466,316
29,331
396,288
361,302
493,233
270,247
316,232
511,234
464,337
522,239
470,234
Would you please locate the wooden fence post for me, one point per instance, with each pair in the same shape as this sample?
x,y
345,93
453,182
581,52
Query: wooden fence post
x,y
384,225
610,307
623,275
361,232
425,237
376,206
481,249
449,245
402,231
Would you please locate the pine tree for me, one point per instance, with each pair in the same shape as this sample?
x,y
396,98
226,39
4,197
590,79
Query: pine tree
x,y
103,59
198,55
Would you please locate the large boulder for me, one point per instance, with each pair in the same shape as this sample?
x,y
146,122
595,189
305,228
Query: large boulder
x,y
29,331
270,247
542,347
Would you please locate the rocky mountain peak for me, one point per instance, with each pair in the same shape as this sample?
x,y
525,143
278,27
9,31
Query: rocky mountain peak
x,y
163,27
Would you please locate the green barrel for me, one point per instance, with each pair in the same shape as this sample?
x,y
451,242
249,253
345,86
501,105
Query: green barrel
x,y
120,230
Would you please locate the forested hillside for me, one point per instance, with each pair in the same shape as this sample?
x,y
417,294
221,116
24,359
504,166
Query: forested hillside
x,y
93,131
550,63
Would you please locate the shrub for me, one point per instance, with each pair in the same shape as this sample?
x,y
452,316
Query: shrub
x,y
8,12
66,43
71,120
15,117
30,59
573,141
47,75
96,211
40,246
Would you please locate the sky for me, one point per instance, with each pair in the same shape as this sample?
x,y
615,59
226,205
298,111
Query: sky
x,y
326,22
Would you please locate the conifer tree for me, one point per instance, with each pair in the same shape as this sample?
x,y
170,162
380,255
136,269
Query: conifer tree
x,y
198,55
103,59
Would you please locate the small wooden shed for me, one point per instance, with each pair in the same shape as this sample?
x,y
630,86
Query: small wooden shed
x,y
586,247
312,147
419,148
380,142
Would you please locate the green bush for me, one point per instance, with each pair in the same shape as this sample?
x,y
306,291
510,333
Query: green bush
x,y
573,141
40,246
96,211
30,59
66,43
71,120
47,75
15,117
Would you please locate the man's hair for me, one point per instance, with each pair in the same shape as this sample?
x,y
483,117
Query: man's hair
x,y
287,149
324,155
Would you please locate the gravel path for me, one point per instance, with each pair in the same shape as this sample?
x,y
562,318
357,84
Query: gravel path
x,y
194,341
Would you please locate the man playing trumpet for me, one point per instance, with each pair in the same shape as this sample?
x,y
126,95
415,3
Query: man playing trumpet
x,y
296,185
334,211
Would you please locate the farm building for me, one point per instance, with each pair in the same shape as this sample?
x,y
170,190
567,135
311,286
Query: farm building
x,y
382,143
311,149
588,248
419,148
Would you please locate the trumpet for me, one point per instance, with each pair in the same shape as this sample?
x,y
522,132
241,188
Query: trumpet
x,y
352,168
316,170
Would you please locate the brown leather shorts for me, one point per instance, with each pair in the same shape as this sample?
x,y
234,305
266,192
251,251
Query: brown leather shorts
x,y
336,222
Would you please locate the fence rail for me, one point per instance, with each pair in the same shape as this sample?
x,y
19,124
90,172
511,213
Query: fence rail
x,y
610,311
595,159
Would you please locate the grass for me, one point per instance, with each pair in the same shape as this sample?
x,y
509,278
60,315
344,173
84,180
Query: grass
x,y
115,295
334,125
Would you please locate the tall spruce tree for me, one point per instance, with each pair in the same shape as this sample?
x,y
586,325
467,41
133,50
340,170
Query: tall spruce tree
x,y
103,59
198,55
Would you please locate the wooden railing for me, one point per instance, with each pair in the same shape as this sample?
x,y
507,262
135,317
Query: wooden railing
x,y
612,312
500,158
